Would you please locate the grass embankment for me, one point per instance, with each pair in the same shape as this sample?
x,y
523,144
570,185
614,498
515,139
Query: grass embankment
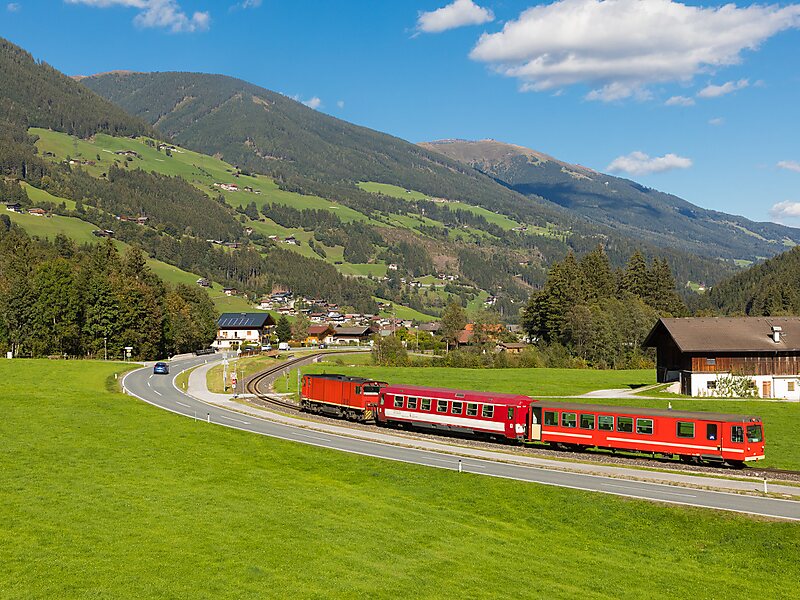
x,y
781,420
244,367
106,496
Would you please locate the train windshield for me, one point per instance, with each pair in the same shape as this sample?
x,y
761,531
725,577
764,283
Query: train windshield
x,y
754,433
371,388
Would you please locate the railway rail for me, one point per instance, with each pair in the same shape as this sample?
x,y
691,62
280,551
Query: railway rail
x,y
268,400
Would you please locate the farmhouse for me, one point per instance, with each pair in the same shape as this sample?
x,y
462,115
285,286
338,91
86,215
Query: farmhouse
x,y
37,212
234,329
319,334
352,335
15,207
698,352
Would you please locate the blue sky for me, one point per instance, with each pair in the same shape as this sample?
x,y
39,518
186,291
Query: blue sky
x,y
693,99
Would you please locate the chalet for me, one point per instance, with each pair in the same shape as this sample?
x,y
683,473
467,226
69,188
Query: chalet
x,y
352,335
432,327
696,352
130,153
319,334
511,347
290,240
14,207
103,233
37,212
235,329
203,282
230,291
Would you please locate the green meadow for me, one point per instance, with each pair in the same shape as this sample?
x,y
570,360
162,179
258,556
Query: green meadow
x,y
104,496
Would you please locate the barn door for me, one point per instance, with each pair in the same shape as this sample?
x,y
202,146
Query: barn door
x,y
767,389
535,426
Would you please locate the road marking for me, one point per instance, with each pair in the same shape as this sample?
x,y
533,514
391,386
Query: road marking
x,y
629,487
157,392
182,404
232,419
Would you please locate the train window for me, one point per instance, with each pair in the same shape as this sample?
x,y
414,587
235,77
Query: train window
x,y
358,390
644,426
488,411
569,419
441,406
551,418
711,431
457,408
381,400
625,424
754,433
587,421
605,423
685,429
398,402
425,404
472,410
510,413
371,389
737,434
412,403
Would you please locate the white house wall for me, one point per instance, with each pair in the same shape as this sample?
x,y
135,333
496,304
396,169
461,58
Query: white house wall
x,y
779,385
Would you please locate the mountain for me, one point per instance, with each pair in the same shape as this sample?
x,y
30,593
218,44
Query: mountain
x,y
624,205
771,288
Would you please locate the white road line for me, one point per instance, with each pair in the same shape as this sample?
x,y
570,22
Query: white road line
x,y
182,404
628,487
157,392
232,419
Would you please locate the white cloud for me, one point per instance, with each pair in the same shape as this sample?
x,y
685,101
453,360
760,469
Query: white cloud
x,y
715,91
340,104
785,210
639,163
457,14
314,102
716,121
790,165
680,101
245,4
165,14
13,7
619,47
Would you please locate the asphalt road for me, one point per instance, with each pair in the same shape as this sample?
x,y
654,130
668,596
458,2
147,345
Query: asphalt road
x,y
159,390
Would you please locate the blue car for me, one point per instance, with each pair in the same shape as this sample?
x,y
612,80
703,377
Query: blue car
x,y
161,368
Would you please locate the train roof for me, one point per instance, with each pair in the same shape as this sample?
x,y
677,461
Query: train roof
x,y
338,377
452,394
648,412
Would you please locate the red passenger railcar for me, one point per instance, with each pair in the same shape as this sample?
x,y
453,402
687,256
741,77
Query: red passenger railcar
x,y
691,435
353,398
484,413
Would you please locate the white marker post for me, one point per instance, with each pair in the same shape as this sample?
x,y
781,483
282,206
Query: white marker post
x,y
765,485
459,465
208,417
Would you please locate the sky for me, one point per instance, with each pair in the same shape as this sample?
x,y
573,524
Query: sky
x,y
697,99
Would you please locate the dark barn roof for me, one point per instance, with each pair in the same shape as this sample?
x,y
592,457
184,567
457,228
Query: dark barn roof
x,y
728,334
356,331
244,320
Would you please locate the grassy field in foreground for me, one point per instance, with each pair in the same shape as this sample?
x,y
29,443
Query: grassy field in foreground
x,y
781,420
106,496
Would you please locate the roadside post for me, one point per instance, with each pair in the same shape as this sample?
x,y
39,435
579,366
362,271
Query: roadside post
x,y
459,465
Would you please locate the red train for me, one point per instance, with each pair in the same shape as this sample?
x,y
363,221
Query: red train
x,y
695,436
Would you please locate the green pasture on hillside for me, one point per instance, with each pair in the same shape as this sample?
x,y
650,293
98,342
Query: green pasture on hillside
x,y
781,419
104,496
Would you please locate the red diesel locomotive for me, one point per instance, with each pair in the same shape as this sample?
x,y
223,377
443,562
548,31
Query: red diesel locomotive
x,y
692,436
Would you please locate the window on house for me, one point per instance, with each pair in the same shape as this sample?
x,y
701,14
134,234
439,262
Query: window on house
x,y
605,423
412,403
737,434
472,410
398,402
488,411
711,361
711,385
551,418
425,404
249,333
587,421
625,424
644,426
790,386
441,406
685,429
569,419
457,408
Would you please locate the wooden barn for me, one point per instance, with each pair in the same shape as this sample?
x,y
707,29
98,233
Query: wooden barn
x,y
699,351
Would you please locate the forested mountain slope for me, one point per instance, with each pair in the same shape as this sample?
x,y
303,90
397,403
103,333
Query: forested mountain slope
x,y
632,209
769,288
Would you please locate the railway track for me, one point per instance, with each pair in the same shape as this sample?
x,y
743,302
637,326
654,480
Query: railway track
x,y
267,400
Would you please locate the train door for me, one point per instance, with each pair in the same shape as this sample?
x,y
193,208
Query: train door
x,y
535,424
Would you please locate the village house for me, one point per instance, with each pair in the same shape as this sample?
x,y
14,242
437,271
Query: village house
x,y
235,329
37,212
103,233
511,347
319,334
203,282
230,291
14,207
697,352
352,335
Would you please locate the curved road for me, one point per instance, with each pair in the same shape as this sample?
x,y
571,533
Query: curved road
x,y
160,390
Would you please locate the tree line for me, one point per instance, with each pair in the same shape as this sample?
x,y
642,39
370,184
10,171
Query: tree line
x,y
57,298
